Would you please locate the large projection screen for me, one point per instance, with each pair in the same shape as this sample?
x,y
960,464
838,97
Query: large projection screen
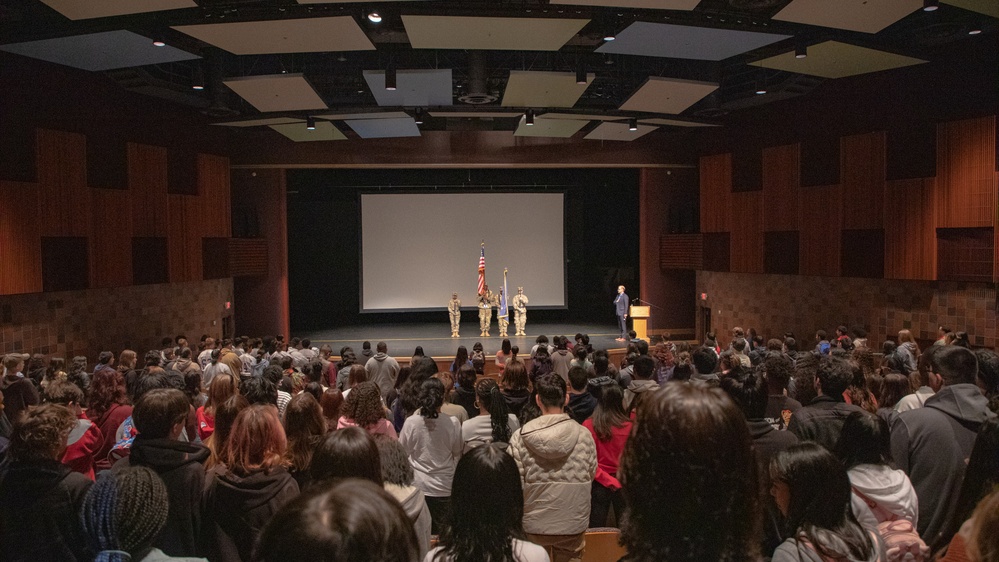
x,y
418,248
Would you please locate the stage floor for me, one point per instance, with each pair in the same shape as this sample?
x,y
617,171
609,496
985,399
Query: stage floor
x,y
436,338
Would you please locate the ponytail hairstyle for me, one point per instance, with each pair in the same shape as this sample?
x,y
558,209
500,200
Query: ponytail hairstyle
x,y
431,398
488,394
123,512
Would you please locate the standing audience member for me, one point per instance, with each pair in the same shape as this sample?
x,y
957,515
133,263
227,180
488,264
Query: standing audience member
x,y
346,453
18,392
453,410
332,402
40,497
503,355
464,392
397,475
251,487
561,357
704,361
822,418
931,444
486,521
86,438
159,416
225,417
926,389
907,350
223,387
581,401
216,367
812,490
363,408
305,428
433,442
108,409
780,407
695,435
609,427
382,369
641,383
514,386
56,371
495,424
558,461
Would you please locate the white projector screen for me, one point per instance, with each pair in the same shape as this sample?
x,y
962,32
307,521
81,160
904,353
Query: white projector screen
x,y
418,248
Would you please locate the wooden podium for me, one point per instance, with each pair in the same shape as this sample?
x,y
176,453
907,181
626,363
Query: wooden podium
x,y
640,321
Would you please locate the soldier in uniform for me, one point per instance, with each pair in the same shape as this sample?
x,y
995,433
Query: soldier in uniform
x,y
520,311
454,310
504,321
486,301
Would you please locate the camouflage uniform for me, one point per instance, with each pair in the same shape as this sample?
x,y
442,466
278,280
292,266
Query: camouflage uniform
x,y
520,311
454,310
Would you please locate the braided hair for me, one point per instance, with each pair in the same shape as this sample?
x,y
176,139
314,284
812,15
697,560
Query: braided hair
x,y
123,512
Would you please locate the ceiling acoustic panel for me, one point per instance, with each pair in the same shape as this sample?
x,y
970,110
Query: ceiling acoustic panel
x,y
277,92
641,4
261,122
556,128
384,128
527,88
987,7
99,51
686,42
618,132
866,16
419,88
87,9
355,116
312,35
833,59
486,33
667,95
324,131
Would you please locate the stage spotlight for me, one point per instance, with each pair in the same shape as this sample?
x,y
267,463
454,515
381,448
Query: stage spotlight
x,y
930,5
310,123
801,51
418,116
375,17
633,124
390,78
529,117
580,74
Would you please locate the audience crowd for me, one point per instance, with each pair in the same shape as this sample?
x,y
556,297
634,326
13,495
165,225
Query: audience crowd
x,y
258,449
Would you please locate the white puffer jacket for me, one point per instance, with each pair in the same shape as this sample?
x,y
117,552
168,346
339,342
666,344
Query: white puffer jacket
x,y
557,460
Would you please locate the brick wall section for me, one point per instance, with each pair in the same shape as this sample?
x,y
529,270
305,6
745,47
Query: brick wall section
x,y
773,304
137,317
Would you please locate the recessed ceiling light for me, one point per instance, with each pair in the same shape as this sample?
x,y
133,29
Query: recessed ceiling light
x,y
930,5
800,52
310,123
609,37
633,124
375,17
760,91
158,43
975,32
529,117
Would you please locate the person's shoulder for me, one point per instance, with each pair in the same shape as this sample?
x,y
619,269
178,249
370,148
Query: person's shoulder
x,y
525,551
432,555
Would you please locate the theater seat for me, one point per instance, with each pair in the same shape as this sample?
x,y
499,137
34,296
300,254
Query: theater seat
x,y
602,545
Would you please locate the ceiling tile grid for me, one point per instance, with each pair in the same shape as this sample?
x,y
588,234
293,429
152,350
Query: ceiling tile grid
x,y
866,16
527,88
277,92
88,9
667,95
480,33
107,50
833,59
686,41
414,88
307,35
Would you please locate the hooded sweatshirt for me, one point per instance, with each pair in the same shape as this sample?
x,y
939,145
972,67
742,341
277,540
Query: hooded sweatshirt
x,y
558,461
560,363
415,506
890,491
237,508
18,393
181,466
636,387
382,370
39,512
932,445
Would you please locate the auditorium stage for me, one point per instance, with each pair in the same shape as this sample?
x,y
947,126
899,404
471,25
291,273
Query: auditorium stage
x,y
436,338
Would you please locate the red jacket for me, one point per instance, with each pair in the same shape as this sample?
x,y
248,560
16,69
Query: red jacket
x,y
108,423
84,442
609,454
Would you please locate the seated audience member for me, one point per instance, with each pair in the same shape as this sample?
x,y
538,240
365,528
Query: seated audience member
x,y
705,361
123,513
464,392
682,372
251,488
354,520
822,418
332,403
581,401
495,424
363,408
159,416
397,474
812,490
695,435
433,442
222,387
346,453
40,497
780,407
86,438
108,408
18,391
641,384
225,416
750,391
558,461
453,410
514,385
880,493
305,428
486,521
931,443
609,426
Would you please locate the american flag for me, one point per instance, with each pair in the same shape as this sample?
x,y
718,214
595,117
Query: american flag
x,y
482,269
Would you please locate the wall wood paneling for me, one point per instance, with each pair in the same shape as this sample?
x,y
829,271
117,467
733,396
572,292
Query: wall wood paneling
x,y
716,193
110,251
747,226
20,241
966,179
147,182
64,197
820,211
781,182
910,231
862,176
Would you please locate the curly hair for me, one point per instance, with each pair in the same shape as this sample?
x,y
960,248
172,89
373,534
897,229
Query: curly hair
x,y
41,433
364,405
106,389
123,512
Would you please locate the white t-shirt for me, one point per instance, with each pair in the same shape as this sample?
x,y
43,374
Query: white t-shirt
x,y
523,551
478,431
434,447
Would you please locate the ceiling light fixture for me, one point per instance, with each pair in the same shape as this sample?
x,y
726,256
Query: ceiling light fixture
x,y
390,78
609,37
975,31
529,117
633,124
801,51
418,116
310,123
158,43
375,17
581,74
198,81
930,5
761,91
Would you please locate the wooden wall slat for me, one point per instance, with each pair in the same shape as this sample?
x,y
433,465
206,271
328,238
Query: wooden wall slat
x,y
110,242
820,212
910,231
747,222
781,182
213,180
862,176
966,179
183,231
147,183
20,240
63,196
716,192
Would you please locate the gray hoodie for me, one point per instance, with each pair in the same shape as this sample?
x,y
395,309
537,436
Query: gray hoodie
x,y
415,506
382,370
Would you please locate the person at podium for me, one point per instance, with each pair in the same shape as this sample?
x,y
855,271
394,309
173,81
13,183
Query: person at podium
x,y
621,303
